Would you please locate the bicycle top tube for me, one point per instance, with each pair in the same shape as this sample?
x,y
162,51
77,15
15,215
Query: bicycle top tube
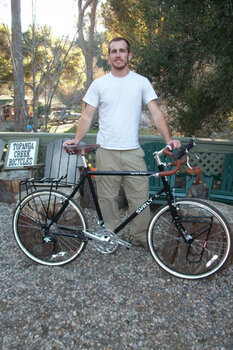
x,y
82,149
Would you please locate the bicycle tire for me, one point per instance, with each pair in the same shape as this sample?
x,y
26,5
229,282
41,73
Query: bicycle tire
x,y
207,254
58,245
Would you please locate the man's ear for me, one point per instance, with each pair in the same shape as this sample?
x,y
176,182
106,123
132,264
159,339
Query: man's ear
x,y
130,56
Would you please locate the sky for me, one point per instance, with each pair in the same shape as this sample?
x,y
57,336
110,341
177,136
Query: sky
x,y
60,15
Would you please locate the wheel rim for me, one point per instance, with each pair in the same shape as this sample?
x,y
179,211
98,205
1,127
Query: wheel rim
x,y
30,221
171,252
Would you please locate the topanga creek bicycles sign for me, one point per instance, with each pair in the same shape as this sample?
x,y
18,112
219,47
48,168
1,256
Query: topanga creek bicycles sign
x,y
21,154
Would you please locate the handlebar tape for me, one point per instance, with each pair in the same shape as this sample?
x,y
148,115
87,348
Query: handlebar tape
x,y
180,152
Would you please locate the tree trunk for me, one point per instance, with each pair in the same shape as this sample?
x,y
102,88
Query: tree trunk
x,y
20,108
87,45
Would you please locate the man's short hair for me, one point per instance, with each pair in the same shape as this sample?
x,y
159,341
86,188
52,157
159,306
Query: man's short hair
x,y
119,39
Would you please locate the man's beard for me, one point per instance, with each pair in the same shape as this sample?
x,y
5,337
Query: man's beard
x,y
119,67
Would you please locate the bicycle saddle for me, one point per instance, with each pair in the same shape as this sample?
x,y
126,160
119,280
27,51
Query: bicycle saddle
x,y
80,149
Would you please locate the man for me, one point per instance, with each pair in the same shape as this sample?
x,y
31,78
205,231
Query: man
x,y
119,96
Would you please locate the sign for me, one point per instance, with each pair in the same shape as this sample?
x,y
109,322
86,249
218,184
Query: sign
x,y
21,154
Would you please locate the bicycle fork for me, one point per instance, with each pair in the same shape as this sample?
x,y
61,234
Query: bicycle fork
x,y
193,255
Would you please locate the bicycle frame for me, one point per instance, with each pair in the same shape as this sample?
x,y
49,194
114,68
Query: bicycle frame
x,y
87,173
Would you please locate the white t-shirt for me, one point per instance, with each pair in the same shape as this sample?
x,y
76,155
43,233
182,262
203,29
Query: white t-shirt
x,y
120,104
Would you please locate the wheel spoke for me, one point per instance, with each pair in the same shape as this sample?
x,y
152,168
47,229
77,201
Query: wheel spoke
x,y
205,255
39,237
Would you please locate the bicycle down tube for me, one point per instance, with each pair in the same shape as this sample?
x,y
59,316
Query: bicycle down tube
x,y
86,173
143,206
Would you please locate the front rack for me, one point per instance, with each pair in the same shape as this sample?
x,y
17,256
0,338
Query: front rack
x,y
33,184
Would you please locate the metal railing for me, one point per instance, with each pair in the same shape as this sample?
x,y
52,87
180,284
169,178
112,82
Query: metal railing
x,y
211,152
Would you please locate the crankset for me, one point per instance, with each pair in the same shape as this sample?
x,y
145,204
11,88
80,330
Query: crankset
x,y
108,242
105,240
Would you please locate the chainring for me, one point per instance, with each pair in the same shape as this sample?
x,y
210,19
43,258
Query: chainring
x,y
109,246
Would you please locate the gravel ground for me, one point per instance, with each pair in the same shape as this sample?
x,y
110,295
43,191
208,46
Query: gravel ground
x,y
117,302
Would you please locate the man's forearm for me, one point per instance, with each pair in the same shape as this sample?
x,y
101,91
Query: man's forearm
x,y
82,128
162,127
159,120
161,124
84,123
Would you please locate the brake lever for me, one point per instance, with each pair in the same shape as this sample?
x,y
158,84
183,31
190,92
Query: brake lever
x,y
187,162
188,158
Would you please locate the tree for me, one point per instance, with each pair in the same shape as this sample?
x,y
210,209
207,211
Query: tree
x,y
6,71
49,64
20,109
101,51
71,86
86,32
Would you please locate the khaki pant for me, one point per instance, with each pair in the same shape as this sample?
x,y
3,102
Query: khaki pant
x,y
136,188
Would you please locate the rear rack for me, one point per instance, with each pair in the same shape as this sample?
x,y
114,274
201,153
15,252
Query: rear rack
x,y
33,184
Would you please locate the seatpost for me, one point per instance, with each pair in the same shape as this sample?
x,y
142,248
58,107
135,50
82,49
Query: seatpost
x,y
84,160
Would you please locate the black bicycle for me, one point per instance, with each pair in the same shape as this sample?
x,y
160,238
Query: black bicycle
x,y
187,237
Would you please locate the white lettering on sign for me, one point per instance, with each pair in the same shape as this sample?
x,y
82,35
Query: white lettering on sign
x,y
21,154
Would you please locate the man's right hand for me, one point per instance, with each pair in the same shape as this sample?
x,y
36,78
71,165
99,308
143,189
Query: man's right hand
x,y
69,142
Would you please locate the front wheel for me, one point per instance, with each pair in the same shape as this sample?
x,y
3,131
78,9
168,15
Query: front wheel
x,y
44,237
205,254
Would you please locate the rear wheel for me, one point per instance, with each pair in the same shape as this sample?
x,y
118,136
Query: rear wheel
x,y
44,240
212,241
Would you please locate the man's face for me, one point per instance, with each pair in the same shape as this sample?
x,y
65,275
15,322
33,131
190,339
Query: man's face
x,y
119,55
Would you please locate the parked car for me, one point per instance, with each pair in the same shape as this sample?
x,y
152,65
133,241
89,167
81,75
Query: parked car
x,y
69,115
64,116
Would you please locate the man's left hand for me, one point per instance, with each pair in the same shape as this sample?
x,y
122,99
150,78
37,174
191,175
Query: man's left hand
x,y
174,143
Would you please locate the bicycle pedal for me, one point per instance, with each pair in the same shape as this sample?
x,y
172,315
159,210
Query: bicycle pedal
x,y
130,240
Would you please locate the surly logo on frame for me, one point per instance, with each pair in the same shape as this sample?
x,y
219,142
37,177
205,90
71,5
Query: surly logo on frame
x,y
144,206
